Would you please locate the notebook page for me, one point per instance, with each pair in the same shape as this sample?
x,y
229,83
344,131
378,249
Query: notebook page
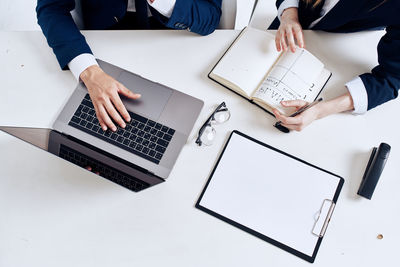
x,y
269,192
248,60
292,77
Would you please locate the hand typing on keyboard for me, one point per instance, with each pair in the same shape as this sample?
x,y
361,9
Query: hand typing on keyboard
x,y
104,92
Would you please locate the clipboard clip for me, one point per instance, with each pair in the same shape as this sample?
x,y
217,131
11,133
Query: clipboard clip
x,y
323,217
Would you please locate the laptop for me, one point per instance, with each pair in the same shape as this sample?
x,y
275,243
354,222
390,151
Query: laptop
x,y
83,155
161,121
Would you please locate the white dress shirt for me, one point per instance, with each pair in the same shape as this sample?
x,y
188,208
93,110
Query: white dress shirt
x,y
356,86
83,61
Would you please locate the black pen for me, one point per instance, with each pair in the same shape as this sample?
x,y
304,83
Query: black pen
x,y
302,109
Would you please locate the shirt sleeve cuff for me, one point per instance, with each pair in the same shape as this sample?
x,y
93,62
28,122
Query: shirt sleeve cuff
x,y
359,94
285,5
164,7
80,63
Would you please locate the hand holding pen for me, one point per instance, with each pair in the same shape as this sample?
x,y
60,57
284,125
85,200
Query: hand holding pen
x,y
293,120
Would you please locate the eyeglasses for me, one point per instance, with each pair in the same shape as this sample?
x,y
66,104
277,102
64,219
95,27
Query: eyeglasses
x,y
207,133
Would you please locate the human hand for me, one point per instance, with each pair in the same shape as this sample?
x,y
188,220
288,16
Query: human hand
x,y
300,121
290,31
104,92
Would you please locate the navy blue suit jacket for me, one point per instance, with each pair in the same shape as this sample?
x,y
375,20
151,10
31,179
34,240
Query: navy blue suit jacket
x,y
383,83
63,36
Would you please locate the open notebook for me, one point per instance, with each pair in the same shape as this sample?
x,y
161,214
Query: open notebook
x,y
272,195
253,68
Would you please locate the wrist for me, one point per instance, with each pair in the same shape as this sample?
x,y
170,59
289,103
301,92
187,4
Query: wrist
x,y
89,73
290,13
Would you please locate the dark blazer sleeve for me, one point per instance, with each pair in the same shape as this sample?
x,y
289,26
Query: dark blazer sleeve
x,y
278,3
59,28
199,16
383,83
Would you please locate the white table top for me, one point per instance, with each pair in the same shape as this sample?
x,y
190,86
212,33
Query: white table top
x,y
55,214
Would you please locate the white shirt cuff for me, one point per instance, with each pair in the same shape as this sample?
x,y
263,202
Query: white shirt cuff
x,y
359,94
80,63
285,5
164,7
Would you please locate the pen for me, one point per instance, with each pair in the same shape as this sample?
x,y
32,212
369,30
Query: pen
x,y
302,109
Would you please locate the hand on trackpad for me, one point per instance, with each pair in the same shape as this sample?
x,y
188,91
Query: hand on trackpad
x,y
153,98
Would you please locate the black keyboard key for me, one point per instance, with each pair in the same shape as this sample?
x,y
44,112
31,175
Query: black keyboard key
x,y
162,142
151,123
171,131
78,113
158,156
147,129
127,134
153,131
153,138
128,127
147,136
160,149
134,123
89,125
146,142
145,150
95,128
92,112
133,137
135,131
88,103
139,140
126,141
152,145
164,129
100,131
85,109
108,133
95,121
140,126
140,133
158,126
83,116
167,137
132,144
87,96
139,148
138,117
75,119
114,136
120,139
120,131
152,153
83,123
159,134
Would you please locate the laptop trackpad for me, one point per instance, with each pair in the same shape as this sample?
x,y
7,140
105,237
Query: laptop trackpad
x,y
154,96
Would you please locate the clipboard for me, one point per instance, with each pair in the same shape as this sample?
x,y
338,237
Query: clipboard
x,y
272,195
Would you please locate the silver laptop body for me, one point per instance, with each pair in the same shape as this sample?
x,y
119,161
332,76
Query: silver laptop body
x,y
158,103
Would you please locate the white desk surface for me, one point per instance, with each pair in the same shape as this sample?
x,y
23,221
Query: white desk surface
x,y
55,214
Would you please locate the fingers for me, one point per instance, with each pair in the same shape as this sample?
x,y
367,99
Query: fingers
x,y
290,39
116,100
283,41
288,120
128,93
298,34
105,119
298,103
278,41
114,115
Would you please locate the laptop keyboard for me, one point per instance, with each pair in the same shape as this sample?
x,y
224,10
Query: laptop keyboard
x,y
104,170
141,136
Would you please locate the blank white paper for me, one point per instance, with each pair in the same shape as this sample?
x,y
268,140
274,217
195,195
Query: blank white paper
x,y
269,192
